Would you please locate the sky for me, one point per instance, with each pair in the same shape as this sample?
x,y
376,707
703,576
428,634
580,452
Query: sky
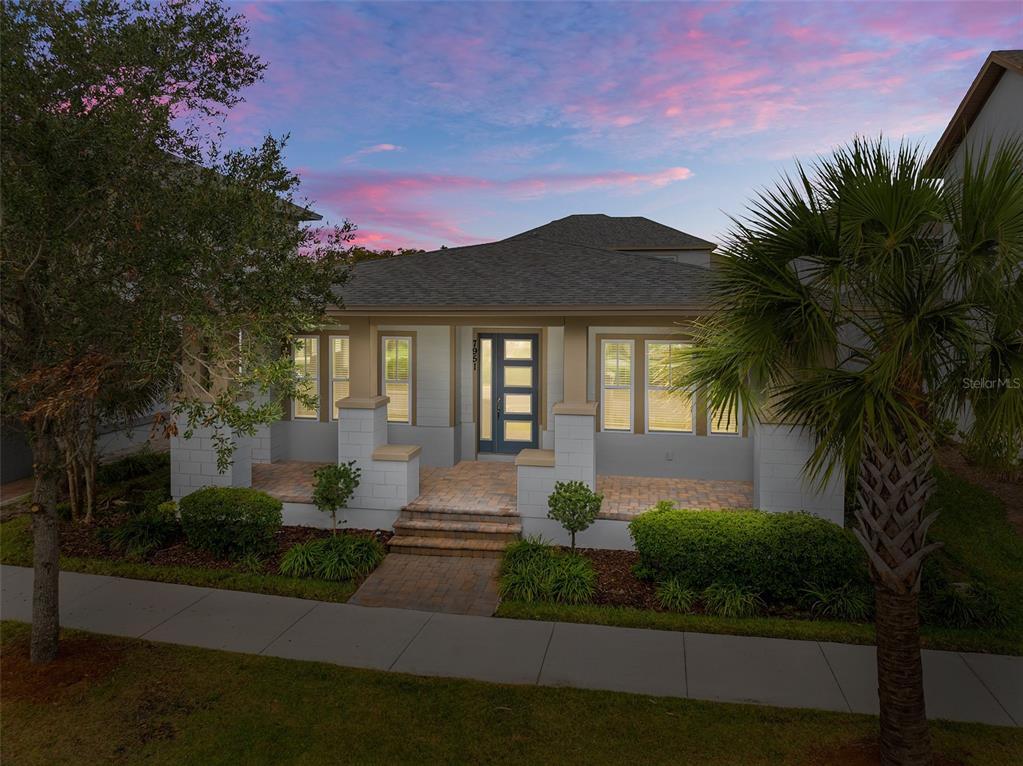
x,y
430,124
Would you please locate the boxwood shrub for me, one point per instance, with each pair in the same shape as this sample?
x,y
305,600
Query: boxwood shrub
x,y
775,554
231,522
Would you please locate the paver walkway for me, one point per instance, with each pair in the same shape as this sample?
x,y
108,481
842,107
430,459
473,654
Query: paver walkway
x,y
451,584
959,686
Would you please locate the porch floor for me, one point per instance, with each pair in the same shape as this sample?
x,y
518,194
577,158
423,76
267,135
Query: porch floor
x,y
488,487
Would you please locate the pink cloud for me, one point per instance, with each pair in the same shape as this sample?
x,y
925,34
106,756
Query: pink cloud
x,y
375,149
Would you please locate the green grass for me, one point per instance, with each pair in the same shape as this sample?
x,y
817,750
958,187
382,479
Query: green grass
x,y
16,548
162,704
979,544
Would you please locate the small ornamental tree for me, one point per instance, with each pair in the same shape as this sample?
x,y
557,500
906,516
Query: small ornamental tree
x,y
334,487
574,505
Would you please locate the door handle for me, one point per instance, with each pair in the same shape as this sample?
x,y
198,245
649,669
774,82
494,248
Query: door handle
x,y
500,398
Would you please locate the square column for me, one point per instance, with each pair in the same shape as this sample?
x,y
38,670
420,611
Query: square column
x,y
575,442
194,461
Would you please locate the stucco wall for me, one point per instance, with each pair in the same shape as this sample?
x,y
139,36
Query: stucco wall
x,y
1000,119
778,482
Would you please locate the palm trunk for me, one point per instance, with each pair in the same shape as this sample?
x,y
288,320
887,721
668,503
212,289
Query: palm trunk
x,y
894,487
46,541
905,738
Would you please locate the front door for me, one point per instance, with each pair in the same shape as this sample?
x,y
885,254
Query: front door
x,y
509,392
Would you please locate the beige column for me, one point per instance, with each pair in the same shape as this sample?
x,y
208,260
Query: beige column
x,y
363,358
576,347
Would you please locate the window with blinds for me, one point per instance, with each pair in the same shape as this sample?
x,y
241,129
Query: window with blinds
x,y
307,362
340,374
616,385
668,410
724,421
397,378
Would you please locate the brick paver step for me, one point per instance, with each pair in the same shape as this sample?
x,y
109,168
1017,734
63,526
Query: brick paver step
x,y
439,513
446,546
463,530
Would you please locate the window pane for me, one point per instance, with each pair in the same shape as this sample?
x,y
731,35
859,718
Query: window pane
x,y
658,367
617,409
617,364
518,431
669,411
518,349
396,358
301,411
486,389
398,407
724,422
340,391
340,357
518,376
307,357
518,404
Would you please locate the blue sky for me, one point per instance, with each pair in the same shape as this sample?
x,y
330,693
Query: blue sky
x,y
451,123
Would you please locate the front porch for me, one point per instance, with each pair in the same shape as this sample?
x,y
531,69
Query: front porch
x,y
479,487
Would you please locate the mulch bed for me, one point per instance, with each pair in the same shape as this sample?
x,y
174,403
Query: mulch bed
x,y
81,541
616,584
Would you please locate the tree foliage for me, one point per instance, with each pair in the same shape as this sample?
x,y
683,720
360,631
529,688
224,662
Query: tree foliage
x,y
334,486
574,505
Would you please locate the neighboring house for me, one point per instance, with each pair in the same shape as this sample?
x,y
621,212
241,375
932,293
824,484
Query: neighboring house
x,y
541,350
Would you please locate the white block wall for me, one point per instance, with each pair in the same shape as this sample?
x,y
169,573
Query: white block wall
x,y
260,445
194,463
534,484
384,484
779,456
575,449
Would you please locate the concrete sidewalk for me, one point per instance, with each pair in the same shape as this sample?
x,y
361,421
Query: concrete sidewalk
x,y
959,686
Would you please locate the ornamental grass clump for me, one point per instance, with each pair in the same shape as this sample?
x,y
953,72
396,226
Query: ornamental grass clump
x,y
535,572
338,558
727,600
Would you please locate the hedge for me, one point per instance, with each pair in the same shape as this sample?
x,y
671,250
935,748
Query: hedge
x,y
776,554
230,522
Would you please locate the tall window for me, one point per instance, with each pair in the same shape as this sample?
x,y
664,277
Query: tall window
x,y
616,385
307,362
340,374
667,410
724,421
397,378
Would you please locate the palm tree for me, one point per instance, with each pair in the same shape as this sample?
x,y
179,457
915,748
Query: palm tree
x,y
857,302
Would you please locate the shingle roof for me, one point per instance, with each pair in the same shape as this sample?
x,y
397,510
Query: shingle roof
x,y
617,233
996,65
524,271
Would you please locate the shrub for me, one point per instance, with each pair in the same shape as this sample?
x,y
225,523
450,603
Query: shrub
x,y
230,522
844,602
337,558
251,563
728,600
534,572
132,467
334,487
142,534
676,597
961,605
574,505
775,554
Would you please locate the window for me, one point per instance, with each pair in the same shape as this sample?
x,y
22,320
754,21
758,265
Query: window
x,y
340,374
307,363
397,378
616,385
667,410
724,422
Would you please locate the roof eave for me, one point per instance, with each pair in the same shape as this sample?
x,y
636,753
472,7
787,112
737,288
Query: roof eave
x,y
527,310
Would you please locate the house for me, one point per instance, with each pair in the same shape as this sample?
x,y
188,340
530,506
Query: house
x,y
466,381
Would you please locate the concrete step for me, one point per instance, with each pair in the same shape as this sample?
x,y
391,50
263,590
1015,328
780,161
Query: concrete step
x,y
446,546
458,530
455,515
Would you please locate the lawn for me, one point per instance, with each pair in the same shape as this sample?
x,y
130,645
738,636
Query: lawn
x,y
118,701
980,545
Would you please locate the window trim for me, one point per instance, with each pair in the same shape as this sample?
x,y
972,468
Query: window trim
x,y
334,412
316,377
411,338
632,386
647,387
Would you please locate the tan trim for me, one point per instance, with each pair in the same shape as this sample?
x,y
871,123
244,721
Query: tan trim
x,y
398,453
367,403
576,408
413,367
542,361
498,315
361,358
452,379
702,428
543,458
576,357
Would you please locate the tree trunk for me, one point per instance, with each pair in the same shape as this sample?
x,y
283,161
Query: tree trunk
x,y
894,486
905,739
46,540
